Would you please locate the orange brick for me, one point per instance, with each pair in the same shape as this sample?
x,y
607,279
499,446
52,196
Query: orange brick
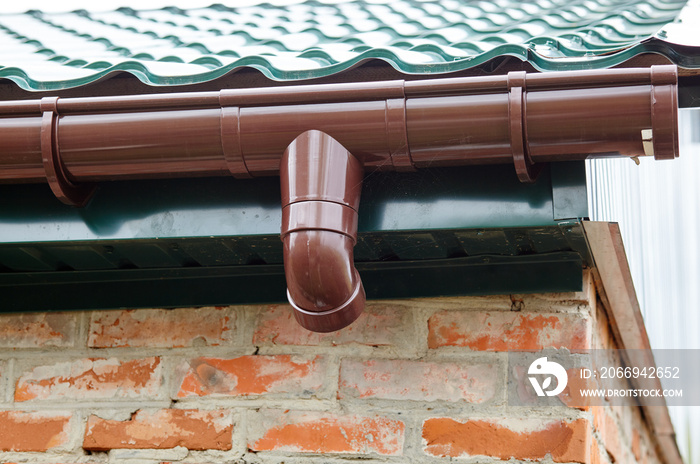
x,y
611,438
525,395
595,452
418,380
379,325
507,330
91,378
598,418
603,334
522,439
606,426
253,375
33,431
166,428
316,432
161,327
636,445
37,330
572,396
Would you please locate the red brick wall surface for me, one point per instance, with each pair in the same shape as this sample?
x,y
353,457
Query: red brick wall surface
x,y
411,381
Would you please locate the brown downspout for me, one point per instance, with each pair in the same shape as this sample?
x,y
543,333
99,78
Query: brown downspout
x,y
321,183
524,119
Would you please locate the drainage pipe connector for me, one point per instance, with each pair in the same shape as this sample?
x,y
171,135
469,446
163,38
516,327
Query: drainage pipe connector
x,y
321,183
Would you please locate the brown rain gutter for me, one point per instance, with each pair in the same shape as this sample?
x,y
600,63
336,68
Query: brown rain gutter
x,y
524,119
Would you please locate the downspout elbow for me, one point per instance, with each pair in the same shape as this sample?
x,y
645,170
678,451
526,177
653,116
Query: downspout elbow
x,y
323,286
321,183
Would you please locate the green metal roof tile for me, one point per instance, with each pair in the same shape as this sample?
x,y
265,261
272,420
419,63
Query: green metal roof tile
x,y
171,46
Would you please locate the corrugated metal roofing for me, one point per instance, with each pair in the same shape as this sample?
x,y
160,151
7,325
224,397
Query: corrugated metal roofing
x,y
171,46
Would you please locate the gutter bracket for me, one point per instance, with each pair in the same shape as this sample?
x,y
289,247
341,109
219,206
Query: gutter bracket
x,y
397,135
526,170
230,123
66,191
663,136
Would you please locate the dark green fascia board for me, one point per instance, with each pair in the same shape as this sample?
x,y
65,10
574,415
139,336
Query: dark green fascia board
x,y
430,199
569,192
216,286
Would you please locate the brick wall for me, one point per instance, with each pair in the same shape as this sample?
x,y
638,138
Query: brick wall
x,y
410,381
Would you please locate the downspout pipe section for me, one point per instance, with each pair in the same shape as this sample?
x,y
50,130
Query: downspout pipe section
x,y
321,183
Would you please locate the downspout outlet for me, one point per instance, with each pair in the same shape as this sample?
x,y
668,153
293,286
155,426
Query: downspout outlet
x,y
321,183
